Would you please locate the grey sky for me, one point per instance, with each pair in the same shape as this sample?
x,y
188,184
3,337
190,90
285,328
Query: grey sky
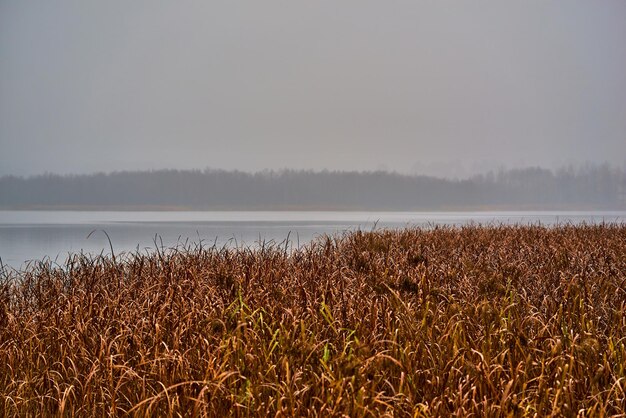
x,y
434,86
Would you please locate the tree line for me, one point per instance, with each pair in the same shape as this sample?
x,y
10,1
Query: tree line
x,y
588,187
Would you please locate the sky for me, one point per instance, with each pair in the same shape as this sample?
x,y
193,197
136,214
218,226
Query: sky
x,y
445,88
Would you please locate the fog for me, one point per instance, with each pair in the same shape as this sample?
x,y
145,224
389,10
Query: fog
x,y
430,87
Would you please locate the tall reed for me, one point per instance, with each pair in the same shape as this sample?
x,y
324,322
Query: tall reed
x,y
494,321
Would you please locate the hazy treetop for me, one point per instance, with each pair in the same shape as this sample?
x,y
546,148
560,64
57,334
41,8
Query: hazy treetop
x,y
431,86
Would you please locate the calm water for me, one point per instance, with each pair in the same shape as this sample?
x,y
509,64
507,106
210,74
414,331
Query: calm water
x,y
33,235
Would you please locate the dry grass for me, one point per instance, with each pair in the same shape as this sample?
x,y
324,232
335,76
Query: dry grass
x,y
487,321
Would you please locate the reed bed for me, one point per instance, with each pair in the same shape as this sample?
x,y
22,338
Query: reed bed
x,y
484,321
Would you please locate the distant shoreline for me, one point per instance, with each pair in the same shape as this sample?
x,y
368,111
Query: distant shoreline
x,y
532,189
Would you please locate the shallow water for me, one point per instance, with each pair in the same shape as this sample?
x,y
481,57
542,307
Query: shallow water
x,y
34,235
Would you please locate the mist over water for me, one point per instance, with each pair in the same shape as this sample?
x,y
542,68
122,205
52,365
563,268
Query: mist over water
x,y
418,87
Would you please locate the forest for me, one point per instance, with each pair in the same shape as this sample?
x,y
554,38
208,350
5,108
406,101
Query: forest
x,y
585,187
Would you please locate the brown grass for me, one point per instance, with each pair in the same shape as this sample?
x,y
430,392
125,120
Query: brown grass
x,y
486,321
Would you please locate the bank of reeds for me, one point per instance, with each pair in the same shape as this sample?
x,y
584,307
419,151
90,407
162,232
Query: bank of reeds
x,y
489,321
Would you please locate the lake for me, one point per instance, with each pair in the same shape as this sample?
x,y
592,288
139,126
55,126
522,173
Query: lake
x,y
34,235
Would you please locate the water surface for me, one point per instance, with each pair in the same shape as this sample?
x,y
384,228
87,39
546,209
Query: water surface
x,y
34,235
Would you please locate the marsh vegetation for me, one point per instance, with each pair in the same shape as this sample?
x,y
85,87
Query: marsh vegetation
x,y
494,320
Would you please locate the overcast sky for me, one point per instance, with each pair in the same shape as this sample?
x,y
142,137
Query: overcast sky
x,y
442,87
